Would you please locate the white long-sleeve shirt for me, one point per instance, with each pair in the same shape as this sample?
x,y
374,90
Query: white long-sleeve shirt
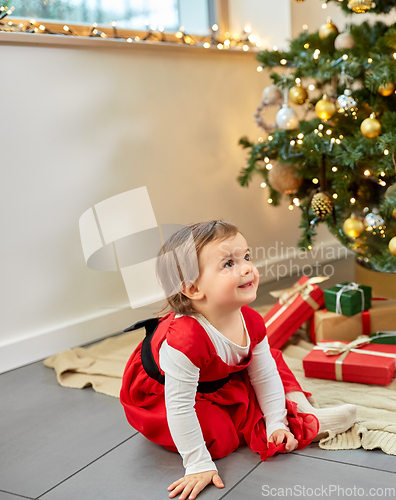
x,y
181,380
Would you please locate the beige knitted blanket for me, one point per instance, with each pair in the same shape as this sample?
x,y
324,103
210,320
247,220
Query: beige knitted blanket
x,y
101,366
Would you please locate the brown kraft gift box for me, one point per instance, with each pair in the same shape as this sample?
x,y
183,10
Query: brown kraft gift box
x,y
326,325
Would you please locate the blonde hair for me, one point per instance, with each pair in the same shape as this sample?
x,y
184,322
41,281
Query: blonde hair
x,y
173,277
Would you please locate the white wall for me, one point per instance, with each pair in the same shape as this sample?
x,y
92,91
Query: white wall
x,y
270,20
83,124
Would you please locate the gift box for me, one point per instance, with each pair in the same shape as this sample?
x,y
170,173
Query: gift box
x,y
348,298
388,337
325,325
357,361
294,307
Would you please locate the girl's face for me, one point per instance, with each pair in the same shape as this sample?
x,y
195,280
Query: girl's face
x,y
228,278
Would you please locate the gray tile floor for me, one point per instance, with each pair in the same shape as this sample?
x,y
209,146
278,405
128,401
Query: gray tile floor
x,y
62,444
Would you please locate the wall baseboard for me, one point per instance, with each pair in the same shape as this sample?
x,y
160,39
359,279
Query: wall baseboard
x,y
31,349
28,350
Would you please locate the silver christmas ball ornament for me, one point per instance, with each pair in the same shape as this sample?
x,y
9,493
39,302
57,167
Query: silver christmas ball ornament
x,y
374,222
287,118
271,95
344,41
345,102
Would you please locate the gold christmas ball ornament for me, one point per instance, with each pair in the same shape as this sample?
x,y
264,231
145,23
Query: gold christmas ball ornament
x,y
361,6
322,205
371,127
394,213
386,89
328,29
298,94
283,179
392,246
271,95
344,41
353,227
324,108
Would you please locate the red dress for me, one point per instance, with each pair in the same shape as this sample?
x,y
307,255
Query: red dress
x,y
230,415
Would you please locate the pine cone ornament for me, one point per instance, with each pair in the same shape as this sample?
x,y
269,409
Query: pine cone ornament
x,y
321,205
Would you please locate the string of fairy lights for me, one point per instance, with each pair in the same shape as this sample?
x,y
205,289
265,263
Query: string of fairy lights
x,y
155,34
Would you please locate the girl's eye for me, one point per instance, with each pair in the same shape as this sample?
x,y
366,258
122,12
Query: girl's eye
x,y
247,256
228,262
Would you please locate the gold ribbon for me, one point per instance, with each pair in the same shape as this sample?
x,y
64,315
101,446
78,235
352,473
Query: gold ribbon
x,y
288,295
338,348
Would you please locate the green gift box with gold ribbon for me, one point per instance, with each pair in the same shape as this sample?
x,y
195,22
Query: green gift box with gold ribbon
x,y
348,298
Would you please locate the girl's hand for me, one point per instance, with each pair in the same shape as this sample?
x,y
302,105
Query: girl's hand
x,y
194,483
280,435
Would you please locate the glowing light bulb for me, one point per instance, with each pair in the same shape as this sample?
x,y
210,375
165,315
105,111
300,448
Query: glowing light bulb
x,y
352,200
206,45
215,27
259,68
315,180
270,200
263,184
291,207
335,196
268,166
245,48
386,151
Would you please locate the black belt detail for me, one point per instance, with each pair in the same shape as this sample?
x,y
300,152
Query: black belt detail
x,y
150,366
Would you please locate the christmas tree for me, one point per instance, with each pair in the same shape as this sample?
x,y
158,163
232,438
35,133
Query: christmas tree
x,y
336,157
